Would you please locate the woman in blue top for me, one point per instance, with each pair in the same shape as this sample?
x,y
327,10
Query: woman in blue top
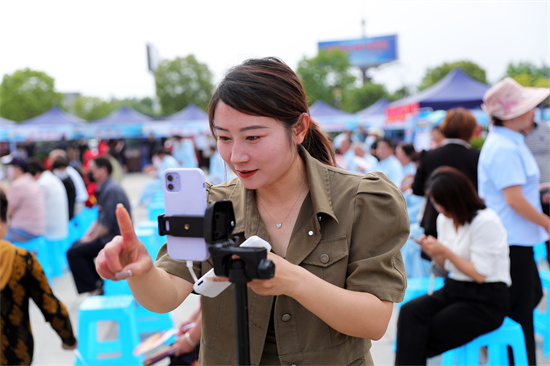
x,y
508,179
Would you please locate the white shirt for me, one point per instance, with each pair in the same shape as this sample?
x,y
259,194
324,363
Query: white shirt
x,y
57,208
483,242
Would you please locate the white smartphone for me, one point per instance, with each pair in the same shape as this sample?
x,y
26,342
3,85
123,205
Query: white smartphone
x,y
205,286
185,195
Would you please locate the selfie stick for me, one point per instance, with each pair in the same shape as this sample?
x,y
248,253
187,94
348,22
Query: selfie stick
x,y
240,264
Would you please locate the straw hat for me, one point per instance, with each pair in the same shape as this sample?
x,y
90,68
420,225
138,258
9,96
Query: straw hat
x,y
507,99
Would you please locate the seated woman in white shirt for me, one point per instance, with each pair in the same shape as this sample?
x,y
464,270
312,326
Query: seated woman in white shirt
x,y
472,247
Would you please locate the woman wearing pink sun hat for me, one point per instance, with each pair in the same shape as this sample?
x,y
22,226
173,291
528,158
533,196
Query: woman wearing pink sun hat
x,y
508,179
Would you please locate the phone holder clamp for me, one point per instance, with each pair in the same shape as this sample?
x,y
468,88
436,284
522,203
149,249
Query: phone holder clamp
x,y
186,226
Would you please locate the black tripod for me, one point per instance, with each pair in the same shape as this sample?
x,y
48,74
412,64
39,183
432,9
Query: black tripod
x,y
240,264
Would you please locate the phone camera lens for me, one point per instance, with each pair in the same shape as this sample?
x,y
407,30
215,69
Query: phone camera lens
x,y
170,186
170,178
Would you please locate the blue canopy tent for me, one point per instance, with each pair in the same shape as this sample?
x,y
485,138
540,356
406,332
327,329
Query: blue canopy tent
x,y
190,121
332,119
375,114
55,116
122,123
49,126
190,113
456,89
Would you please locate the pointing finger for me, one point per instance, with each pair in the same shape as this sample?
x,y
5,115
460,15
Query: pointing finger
x,y
125,223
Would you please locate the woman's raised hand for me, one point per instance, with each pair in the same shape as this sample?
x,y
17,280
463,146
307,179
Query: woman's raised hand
x,y
125,255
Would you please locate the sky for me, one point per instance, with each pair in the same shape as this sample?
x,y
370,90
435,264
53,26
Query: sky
x,y
98,48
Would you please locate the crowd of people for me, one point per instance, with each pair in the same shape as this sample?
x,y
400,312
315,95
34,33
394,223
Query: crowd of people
x,y
336,213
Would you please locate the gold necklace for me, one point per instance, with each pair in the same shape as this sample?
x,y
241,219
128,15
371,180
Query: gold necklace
x,y
280,224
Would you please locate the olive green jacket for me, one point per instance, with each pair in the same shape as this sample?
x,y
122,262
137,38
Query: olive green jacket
x,y
349,232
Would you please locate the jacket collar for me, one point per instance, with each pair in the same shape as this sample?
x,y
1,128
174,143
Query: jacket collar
x,y
246,213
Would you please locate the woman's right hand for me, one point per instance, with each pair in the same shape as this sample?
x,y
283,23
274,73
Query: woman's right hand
x,y
125,255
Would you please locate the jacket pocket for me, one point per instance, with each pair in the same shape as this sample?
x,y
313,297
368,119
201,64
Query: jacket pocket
x,y
329,260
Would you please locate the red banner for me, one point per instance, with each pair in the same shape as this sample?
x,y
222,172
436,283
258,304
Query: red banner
x,y
401,112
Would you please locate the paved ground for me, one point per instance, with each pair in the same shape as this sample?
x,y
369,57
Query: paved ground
x,y
48,345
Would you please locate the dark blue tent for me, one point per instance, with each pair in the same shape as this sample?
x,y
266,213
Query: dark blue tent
x,y
122,123
330,118
320,109
456,89
379,107
54,117
123,115
375,114
189,113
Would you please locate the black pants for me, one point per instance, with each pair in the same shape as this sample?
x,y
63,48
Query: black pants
x,y
525,294
452,316
81,261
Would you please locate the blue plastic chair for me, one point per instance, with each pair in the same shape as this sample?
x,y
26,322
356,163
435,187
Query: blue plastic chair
x,y
58,259
540,252
509,334
119,309
39,247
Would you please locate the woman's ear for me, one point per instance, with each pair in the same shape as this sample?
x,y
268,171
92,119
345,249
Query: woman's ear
x,y
301,128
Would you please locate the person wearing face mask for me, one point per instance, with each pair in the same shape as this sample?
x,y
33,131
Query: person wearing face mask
x,y
66,169
59,168
82,253
27,210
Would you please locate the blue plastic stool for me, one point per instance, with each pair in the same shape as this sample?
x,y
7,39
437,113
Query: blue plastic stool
x,y
149,321
112,288
542,319
146,321
39,247
120,309
497,342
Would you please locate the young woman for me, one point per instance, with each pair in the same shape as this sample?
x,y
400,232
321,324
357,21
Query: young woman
x,y
336,236
472,247
508,178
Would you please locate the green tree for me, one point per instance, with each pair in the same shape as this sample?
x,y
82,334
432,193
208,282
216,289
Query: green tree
x,y
92,108
528,74
359,98
435,74
27,93
327,76
183,81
